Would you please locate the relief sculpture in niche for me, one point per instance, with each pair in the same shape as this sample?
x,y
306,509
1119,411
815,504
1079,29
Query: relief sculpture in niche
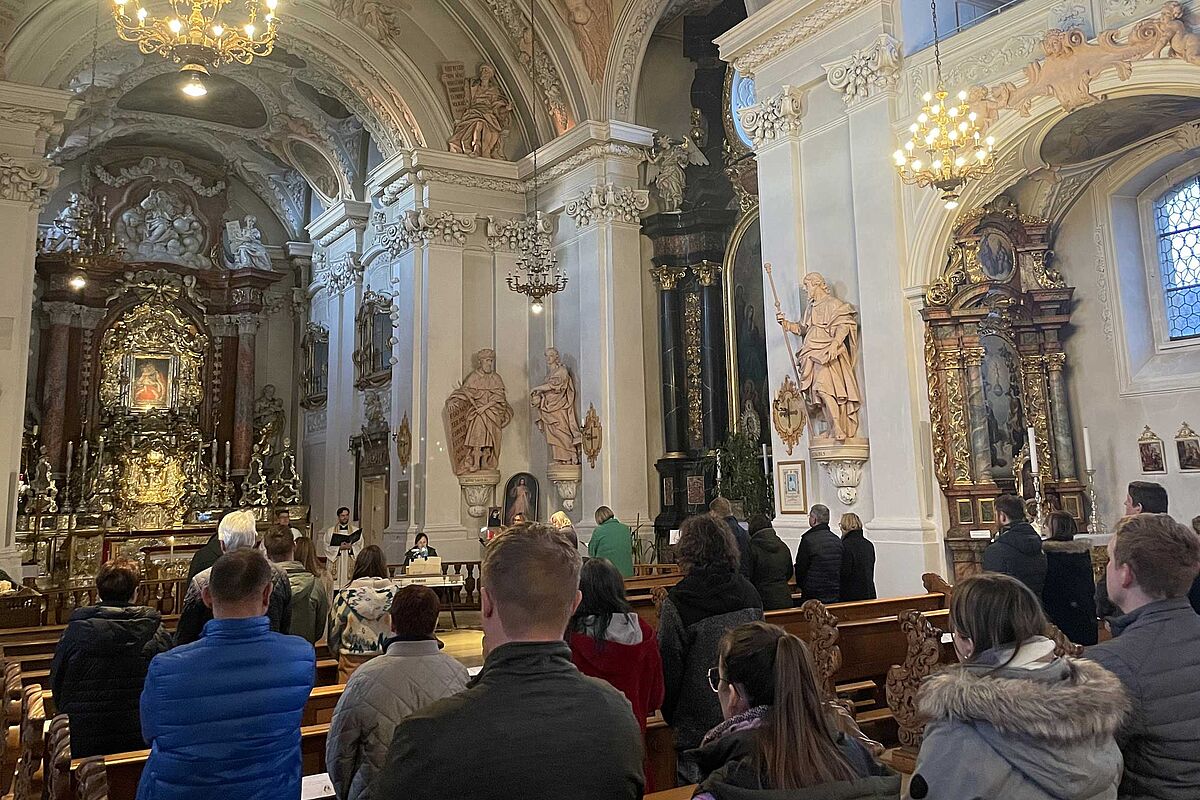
x,y
244,246
162,227
592,26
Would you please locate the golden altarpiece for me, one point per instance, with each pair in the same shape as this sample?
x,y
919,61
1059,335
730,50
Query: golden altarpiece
x,y
995,364
143,426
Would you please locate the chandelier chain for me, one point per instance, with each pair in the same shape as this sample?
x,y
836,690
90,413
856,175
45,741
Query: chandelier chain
x,y
937,47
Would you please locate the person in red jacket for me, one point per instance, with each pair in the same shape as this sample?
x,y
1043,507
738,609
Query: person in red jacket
x,y
609,641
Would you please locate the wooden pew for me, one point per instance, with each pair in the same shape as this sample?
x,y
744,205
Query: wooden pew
x,y
27,781
660,751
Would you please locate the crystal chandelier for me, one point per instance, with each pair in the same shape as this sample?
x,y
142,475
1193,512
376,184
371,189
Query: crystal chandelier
x,y
536,273
197,37
947,147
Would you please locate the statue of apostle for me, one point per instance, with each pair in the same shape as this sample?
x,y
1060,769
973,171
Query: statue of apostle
x,y
554,411
478,411
828,357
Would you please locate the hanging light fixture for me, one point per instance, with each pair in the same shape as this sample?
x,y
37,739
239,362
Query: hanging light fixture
x,y
81,231
947,147
197,36
536,273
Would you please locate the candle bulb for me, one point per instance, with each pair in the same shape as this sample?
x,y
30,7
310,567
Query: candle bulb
x,y
1087,450
1033,459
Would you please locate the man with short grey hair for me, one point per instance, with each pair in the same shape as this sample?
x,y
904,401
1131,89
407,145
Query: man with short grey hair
x,y
238,530
819,559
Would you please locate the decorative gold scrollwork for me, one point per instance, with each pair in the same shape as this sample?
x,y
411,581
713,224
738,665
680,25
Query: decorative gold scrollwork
x,y
152,330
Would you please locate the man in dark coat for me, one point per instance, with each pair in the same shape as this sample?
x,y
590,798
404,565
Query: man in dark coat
x,y
205,557
1155,651
819,559
100,664
722,510
771,564
529,724
858,561
1017,550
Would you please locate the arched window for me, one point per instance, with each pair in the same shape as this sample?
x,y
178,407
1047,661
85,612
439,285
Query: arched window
x,y
1177,220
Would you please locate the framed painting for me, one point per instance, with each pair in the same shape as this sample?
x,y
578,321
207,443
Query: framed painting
x,y
745,331
793,487
151,382
996,257
521,495
695,490
1187,447
1151,453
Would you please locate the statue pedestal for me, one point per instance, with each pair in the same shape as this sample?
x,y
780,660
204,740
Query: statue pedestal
x,y
566,478
479,490
843,462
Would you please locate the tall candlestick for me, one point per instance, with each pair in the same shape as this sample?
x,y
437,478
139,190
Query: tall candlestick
x,y
226,497
718,469
1087,450
100,454
83,475
212,472
66,492
1033,461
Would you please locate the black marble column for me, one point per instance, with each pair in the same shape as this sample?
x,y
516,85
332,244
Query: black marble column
x,y
714,385
674,365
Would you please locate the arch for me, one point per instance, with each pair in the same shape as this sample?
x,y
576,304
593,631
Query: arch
x,y
623,73
1017,155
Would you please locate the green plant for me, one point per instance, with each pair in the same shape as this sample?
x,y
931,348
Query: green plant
x,y
742,476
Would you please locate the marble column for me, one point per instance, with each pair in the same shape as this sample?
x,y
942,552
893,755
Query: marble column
x,y
714,386
243,404
56,349
1060,420
981,447
674,377
31,114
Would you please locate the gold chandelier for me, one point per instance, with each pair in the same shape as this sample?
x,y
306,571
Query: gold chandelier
x,y
197,36
947,147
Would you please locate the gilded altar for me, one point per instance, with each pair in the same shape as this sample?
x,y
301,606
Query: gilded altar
x,y
994,358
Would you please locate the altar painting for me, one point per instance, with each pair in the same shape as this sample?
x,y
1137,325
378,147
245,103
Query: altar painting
x,y
1002,403
746,331
152,381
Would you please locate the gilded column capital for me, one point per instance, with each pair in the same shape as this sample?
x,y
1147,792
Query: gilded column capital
x,y
1055,361
973,356
950,359
707,272
667,276
860,74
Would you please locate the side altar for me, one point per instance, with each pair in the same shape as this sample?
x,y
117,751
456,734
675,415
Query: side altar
x,y
144,424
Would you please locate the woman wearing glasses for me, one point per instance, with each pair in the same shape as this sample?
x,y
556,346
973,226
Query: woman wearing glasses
x,y
778,736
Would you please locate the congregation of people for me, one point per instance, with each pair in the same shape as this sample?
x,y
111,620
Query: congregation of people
x,y
571,673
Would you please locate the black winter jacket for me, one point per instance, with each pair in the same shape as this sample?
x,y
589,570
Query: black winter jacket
x,y
858,567
1069,598
1017,551
194,614
743,542
819,564
529,725
97,674
771,569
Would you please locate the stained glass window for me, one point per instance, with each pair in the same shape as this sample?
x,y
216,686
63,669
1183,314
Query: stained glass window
x,y
1177,218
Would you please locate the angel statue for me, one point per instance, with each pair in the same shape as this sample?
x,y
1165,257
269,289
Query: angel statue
x,y
244,246
665,169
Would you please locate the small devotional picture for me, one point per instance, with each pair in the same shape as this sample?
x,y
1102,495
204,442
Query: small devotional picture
x,y
793,491
520,499
150,382
1151,453
1187,446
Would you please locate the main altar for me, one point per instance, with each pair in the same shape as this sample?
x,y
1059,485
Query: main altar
x,y
145,424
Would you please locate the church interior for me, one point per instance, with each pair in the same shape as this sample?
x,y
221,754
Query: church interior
x,y
450,264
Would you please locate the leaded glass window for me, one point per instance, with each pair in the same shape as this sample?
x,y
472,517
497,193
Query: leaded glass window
x,y
1177,218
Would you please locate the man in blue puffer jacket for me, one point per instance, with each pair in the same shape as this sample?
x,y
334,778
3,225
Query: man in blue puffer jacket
x,y
222,714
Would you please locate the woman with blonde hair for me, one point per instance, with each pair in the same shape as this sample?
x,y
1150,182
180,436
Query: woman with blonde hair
x,y
1014,719
778,738
562,523
858,562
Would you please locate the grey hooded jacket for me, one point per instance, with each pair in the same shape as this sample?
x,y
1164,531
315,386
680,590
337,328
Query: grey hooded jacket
x,y
382,692
1156,654
1043,731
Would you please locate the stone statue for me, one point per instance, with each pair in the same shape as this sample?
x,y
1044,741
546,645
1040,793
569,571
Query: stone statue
x,y
163,227
244,246
269,419
478,412
591,24
665,171
480,129
63,234
554,411
828,357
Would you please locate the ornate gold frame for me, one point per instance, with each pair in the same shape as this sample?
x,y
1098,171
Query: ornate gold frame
x,y
151,329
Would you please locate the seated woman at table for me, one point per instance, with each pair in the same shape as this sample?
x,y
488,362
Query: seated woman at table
x,y
420,549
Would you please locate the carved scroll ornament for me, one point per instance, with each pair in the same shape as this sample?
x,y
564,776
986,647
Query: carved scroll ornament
x,y
904,681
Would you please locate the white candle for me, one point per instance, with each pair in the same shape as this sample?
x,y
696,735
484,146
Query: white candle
x,y
67,480
83,476
1087,450
100,455
766,462
718,467
1033,462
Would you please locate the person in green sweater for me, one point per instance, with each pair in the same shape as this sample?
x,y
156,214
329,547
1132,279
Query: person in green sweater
x,y
613,540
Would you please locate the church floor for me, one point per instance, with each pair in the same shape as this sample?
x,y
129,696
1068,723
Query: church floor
x,y
464,642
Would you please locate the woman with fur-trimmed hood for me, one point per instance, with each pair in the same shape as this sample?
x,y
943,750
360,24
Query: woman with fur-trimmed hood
x,y
1015,721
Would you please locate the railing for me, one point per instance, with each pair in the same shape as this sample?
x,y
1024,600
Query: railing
x,y
54,606
468,573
